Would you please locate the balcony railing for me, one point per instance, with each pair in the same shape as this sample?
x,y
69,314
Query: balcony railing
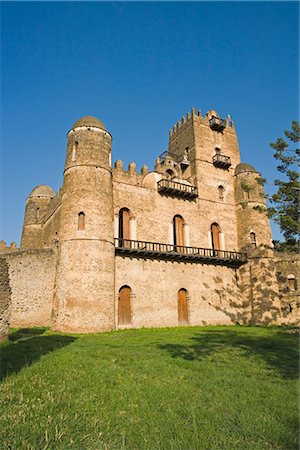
x,y
222,161
156,250
181,159
217,124
176,189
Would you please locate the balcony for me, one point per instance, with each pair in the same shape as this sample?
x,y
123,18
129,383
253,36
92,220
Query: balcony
x,y
179,159
217,124
156,250
176,189
222,161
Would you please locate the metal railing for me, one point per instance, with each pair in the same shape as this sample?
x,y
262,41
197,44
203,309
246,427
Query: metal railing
x,y
172,251
167,154
177,187
221,160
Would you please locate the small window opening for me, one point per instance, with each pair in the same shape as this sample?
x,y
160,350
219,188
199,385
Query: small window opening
x,y
246,195
81,221
291,282
218,151
74,151
169,173
221,192
253,240
37,213
290,308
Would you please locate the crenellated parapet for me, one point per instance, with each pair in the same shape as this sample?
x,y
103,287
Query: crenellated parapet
x,y
129,176
4,248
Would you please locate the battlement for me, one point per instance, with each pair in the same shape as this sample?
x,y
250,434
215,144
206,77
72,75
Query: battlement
x,y
211,119
8,248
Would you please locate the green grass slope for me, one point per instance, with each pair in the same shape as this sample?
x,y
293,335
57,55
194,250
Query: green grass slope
x,y
181,388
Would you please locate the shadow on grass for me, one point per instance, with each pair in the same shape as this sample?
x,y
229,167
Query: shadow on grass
x,y
24,352
279,350
24,333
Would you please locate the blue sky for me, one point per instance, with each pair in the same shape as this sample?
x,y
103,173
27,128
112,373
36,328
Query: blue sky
x,y
138,67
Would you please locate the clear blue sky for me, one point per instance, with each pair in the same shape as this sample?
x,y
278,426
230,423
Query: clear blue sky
x,y
138,67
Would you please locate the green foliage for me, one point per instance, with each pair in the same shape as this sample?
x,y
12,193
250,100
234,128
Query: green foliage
x,y
260,180
181,388
284,208
245,186
244,204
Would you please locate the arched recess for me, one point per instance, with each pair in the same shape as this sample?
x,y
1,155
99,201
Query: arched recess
x,y
124,227
124,306
178,232
253,239
81,221
291,282
215,231
183,316
170,174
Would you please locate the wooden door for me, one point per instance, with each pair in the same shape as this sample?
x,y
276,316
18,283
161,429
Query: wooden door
x,y
124,307
182,307
215,236
179,232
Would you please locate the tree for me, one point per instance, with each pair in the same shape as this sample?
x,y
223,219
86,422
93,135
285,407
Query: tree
x,y
285,207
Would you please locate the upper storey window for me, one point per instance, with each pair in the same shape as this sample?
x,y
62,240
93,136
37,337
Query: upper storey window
x,y
253,239
124,224
74,151
215,236
178,228
221,192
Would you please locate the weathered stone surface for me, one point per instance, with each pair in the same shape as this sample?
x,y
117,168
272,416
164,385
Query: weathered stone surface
x,y
5,299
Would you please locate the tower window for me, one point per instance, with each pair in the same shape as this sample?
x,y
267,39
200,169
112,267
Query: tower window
x,y
81,221
169,173
253,239
178,230
218,150
291,282
74,151
215,236
37,213
221,192
246,194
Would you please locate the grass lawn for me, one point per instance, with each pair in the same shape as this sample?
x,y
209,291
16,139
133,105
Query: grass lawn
x,y
181,388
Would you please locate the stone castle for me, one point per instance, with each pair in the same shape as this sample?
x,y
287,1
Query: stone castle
x,y
188,243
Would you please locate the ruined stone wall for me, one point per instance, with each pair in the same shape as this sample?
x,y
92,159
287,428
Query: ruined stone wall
x,y
213,292
288,264
5,299
32,275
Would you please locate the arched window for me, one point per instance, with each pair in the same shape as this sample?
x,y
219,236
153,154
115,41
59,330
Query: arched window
x,y
218,150
37,213
178,230
253,239
74,151
215,236
124,306
124,227
81,221
221,192
169,174
291,282
183,307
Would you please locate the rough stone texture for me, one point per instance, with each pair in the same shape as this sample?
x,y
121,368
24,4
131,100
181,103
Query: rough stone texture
x,y
289,264
80,282
5,299
32,275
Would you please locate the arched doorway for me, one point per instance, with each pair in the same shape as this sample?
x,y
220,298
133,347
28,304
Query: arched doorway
x,y
124,306
215,236
182,307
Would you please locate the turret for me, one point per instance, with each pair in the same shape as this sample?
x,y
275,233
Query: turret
x,y
85,282
36,206
252,221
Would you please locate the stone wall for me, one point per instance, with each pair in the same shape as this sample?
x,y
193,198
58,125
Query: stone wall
x,y
32,276
5,299
288,264
213,292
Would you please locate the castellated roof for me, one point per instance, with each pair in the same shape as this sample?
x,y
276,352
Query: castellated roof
x,y
89,121
42,191
244,167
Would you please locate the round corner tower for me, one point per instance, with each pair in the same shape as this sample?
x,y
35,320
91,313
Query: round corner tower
x,y
84,291
253,223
